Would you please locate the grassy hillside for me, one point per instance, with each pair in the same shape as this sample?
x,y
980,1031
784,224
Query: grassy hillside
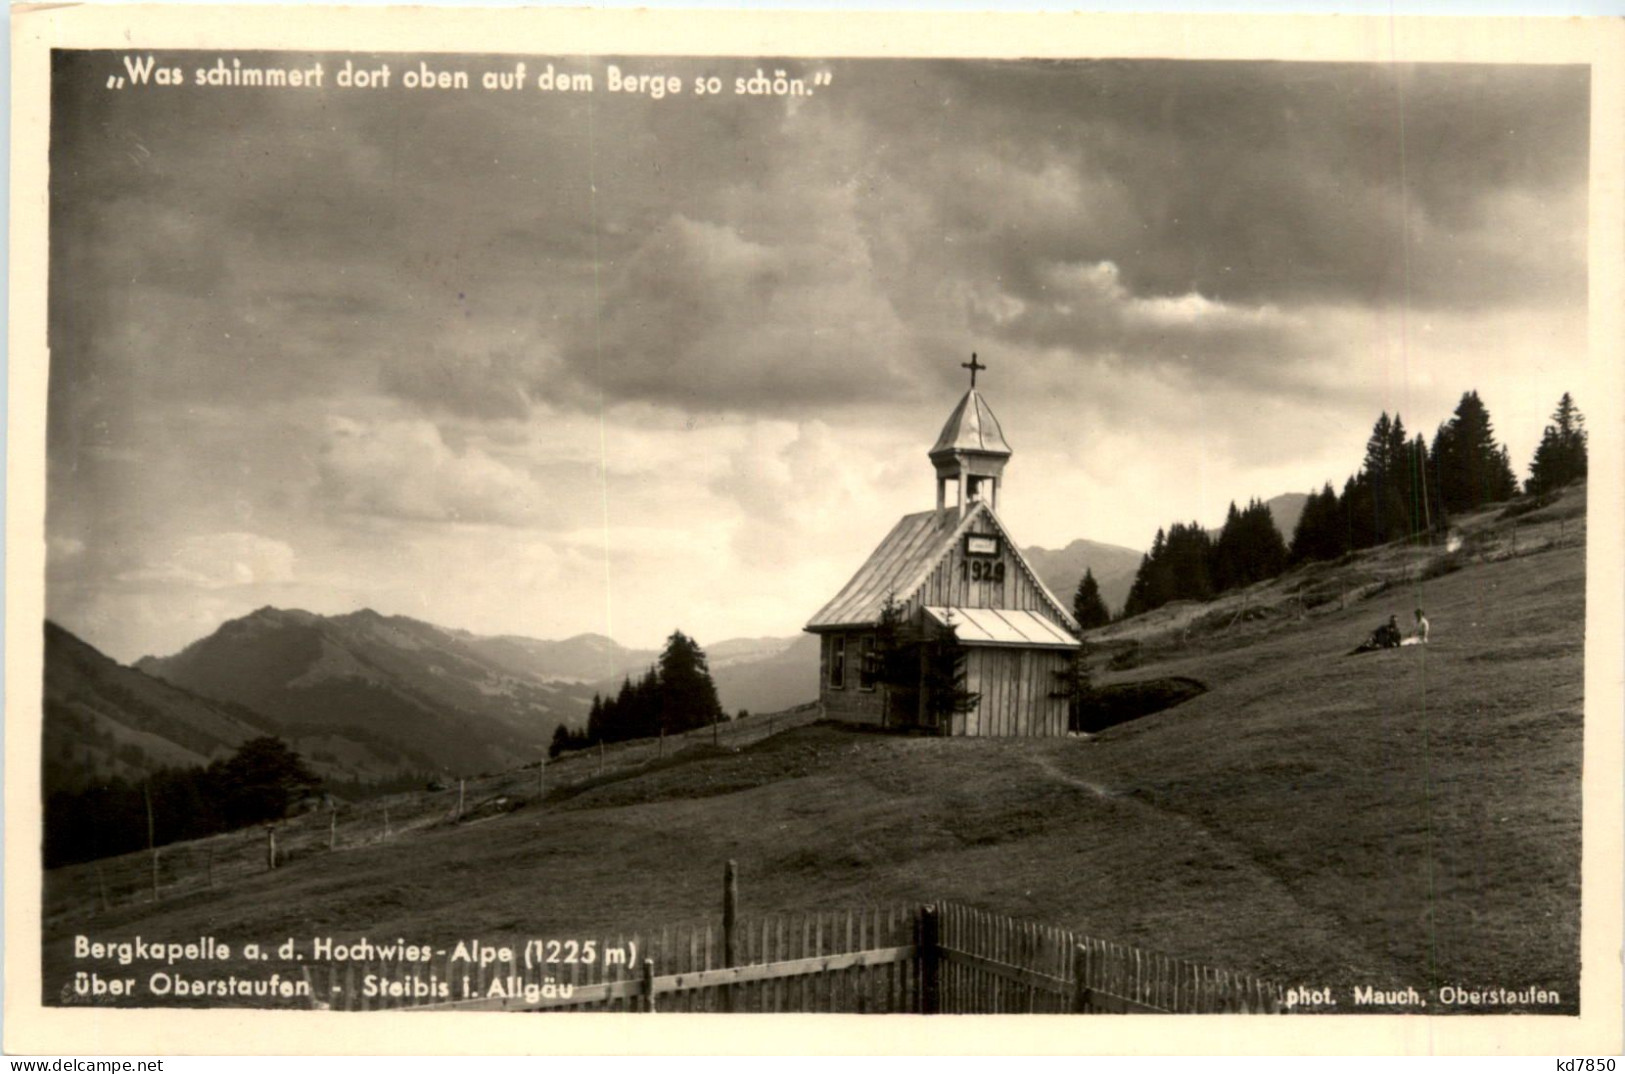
x,y
104,720
1408,818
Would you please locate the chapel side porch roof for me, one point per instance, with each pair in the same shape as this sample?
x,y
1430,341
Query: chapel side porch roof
x,y
1003,627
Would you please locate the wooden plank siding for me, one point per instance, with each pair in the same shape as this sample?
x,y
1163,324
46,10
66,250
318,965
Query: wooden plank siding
x,y
949,583
1014,685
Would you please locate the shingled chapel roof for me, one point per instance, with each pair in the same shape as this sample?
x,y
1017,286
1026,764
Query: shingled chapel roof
x,y
904,560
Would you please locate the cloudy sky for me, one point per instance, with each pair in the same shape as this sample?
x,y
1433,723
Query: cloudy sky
x,y
543,363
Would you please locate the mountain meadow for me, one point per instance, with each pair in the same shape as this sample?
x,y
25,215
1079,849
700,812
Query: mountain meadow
x,y
1404,818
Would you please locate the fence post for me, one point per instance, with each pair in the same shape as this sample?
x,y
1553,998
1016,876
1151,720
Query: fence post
x,y
333,828
1080,980
211,865
600,757
101,882
649,986
460,784
730,925
929,953
270,848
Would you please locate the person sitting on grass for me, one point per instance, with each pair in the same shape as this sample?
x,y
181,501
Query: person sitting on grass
x,y
1384,637
1421,634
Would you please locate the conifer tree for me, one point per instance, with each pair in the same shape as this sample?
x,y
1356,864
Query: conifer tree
x,y
1561,457
687,694
1087,606
1229,552
595,720
1263,551
1150,586
1306,533
1472,469
944,678
1190,551
262,779
1178,567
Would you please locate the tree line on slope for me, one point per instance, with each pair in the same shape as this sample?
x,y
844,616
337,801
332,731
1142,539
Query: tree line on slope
x,y
1404,489
258,783
675,695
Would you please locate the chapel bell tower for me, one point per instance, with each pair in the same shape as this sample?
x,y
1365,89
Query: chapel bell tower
x,y
971,451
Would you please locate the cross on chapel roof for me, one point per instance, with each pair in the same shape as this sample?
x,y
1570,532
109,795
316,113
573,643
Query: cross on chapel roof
x,y
973,367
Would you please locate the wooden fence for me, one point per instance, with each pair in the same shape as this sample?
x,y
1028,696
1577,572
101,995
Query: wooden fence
x,y
946,959
849,961
991,964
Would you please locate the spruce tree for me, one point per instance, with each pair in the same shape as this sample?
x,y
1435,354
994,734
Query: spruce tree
x,y
1561,457
1304,534
262,779
1229,552
687,694
1320,533
1150,586
1087,606
1263,551
647,718
1190,553
1472,469
595,720
945,678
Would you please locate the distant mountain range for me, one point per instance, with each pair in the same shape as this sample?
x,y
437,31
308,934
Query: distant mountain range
x,y
1062,569
103,720
425,697
365,695
362,696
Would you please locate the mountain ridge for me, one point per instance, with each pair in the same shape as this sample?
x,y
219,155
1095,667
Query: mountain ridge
x,y
103,720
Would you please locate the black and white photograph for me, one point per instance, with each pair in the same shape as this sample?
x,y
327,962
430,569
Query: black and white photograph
x,y
728,529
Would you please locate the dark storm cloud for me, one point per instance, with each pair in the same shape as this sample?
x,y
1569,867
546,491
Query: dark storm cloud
x,y
428,346
1229,201
1252,182
470,254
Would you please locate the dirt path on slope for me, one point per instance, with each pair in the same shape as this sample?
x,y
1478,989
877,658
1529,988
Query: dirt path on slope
x,y
1237,853
1051,770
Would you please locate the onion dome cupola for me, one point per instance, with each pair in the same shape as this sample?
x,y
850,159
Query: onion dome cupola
x,y
971,451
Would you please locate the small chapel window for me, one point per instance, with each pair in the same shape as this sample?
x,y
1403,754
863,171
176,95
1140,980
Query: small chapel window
x,y
837,662
868,663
